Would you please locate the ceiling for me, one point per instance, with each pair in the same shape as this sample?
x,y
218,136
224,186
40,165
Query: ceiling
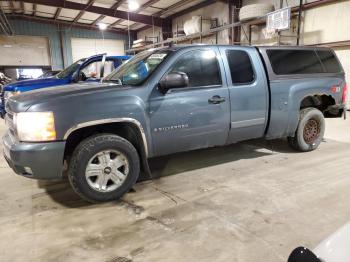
x,y
90,13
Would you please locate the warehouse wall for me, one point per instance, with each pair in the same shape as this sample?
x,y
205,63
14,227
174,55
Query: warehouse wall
x,y
86,33
321,25
217,10
328,23
150,32
24,27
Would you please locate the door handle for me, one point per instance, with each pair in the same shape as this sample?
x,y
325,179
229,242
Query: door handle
x,y
216,100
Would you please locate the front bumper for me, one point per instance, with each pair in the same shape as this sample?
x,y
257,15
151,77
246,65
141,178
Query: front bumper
x,y
34,160
2,110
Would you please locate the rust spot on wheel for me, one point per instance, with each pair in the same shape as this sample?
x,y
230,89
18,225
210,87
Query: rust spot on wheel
x,y
312,131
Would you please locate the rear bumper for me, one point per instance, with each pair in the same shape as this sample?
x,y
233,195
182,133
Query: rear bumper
x,y
34,160
335,111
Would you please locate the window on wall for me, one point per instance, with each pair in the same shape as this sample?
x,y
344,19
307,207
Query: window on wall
x,y
240,67
201,67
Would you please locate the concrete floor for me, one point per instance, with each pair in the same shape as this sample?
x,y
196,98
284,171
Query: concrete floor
x,y
254,201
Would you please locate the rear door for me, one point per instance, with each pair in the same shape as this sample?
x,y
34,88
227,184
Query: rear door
x,y
248,89
196,116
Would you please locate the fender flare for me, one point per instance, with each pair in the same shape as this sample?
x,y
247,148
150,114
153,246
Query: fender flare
x,y
109,121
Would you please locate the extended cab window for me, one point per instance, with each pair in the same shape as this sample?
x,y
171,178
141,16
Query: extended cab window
x,y
201,67
240,67
286,62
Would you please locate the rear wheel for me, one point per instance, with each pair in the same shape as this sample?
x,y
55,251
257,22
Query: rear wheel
x,y
310,131
103,168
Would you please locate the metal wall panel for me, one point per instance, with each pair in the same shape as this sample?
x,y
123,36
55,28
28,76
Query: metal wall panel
x,y
25,27
22,27
24,51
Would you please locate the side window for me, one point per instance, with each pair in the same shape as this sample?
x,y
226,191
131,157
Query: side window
x,y
201,66
287,62
241,67
93,70
109,67
329,61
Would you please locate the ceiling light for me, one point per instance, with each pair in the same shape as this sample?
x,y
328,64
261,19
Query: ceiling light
x,y
102,26
133,5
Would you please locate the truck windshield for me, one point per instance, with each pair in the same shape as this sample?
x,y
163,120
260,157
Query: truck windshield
x,y
138,69
70,69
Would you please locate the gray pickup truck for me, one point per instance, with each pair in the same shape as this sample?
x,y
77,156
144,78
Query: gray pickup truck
x,y
169,100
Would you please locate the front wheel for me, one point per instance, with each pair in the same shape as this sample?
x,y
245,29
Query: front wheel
x,y
310,131
103,168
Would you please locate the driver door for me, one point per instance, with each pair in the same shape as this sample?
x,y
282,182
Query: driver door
x,y
191,117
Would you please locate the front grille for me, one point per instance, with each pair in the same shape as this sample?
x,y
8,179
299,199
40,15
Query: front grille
x,y
2,96
10,123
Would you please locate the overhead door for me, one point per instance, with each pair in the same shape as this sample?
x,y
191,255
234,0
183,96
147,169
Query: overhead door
x,y
85,47
24,51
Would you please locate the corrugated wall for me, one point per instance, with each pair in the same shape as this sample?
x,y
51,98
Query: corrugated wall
x,y
24,27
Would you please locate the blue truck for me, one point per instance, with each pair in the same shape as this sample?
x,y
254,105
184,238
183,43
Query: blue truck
x,y
90,69
171,100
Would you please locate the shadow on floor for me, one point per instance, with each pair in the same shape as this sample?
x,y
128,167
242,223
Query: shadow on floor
x,y
188,161
62,193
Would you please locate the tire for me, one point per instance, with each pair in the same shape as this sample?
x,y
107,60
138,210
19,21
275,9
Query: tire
x,y
249,12
103,168
310,131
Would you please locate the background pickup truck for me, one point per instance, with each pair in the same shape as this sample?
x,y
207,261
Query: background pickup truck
x,y
171,100
86,69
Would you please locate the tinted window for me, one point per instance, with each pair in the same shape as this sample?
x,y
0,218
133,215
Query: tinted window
x,y
329,61
285,62
201,66
240,66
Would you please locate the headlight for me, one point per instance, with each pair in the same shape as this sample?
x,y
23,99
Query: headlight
x,y
8,94
35,126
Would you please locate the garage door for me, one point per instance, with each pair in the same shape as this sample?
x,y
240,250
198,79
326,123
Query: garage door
x,y
24,51
343,54
84,47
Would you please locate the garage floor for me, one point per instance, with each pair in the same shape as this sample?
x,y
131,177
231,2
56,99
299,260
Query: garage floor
x,y
254,201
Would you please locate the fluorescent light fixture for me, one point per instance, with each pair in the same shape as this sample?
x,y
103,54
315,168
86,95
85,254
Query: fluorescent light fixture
x,y
102,26
133,5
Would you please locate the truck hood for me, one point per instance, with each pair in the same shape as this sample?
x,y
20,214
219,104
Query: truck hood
x,y
22,102
27,85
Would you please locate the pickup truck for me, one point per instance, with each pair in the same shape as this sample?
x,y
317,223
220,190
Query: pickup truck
x,y
170,100
85,69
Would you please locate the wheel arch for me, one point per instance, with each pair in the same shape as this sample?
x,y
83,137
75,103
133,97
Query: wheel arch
x,y
128,128
319,101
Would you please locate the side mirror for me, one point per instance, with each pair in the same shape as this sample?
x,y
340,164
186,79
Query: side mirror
x,y
173,80
302,254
